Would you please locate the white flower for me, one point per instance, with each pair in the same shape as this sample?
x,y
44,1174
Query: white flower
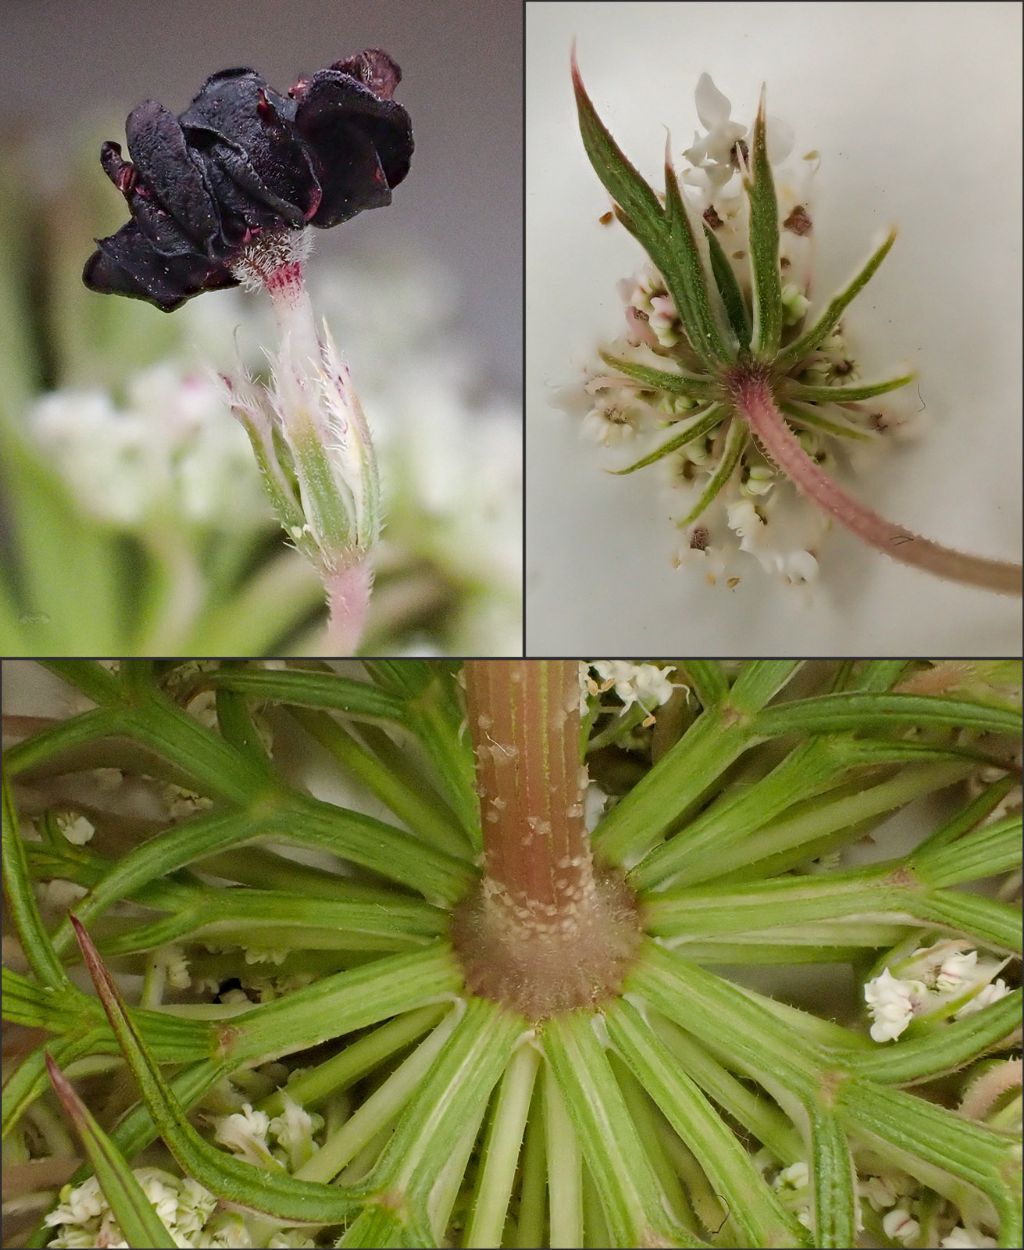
x,y
293,1130
77,830
643,684
608,425
78,1204
664,320
991,993
891,1004
961,1238
175,962
594,803
85,1219
900,1225
169,448
245,1134
955,969
796,1176
757,537
713,153
162,1191
713,110
794,303
880,1192
60,894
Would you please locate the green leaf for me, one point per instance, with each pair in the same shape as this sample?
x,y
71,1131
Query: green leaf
x,y
703,423
845,394
712,1008
756,1113
55,541
235,722
701,847
231,1179
89,676
456,1088
28,1080
407,802
63,736
968,816
729,289
665,234
135,1214
822,823
686,277
944,1149
312,1085
357,699
708,679
758,1214
803,415
683,775
532,1223
989,850
489,1209
616,1157
565,1167
834,713
829,319
378,1226
215,766
661,379
944,1049
764,245
832,1181
735,441
35,940
986,920
621,180
759,681
162,854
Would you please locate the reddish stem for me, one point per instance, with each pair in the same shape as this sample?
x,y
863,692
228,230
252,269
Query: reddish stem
x,y
524,721
754,400
348,597
545,931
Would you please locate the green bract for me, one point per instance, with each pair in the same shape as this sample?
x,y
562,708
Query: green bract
x,y
746,379
684,1109
714,311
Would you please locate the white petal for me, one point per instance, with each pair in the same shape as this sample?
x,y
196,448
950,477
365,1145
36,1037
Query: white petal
x,y
779,136
712,107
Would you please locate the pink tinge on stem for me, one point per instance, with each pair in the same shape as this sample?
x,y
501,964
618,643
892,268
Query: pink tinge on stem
x,y
546,930
754,400
348,597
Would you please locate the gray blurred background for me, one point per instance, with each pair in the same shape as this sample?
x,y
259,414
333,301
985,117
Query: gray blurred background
x,y
68,66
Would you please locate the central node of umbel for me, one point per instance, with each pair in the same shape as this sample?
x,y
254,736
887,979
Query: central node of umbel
x,y
542,958
544,930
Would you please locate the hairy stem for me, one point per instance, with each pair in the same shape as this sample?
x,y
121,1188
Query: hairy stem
x,y
348,597
754,400
524,721
544,931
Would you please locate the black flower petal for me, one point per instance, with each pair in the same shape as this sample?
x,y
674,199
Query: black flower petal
x,y
126,264
171,173
363,144
243,159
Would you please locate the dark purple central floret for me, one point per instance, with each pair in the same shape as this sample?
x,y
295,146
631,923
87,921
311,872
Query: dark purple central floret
x,y
242,159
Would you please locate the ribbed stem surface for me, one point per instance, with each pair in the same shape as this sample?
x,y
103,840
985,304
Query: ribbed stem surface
x,y
545,931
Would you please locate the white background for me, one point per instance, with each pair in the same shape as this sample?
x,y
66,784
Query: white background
x,y
915,109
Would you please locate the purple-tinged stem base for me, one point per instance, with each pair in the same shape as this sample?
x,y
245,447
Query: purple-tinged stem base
x,y
348,597
753,399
